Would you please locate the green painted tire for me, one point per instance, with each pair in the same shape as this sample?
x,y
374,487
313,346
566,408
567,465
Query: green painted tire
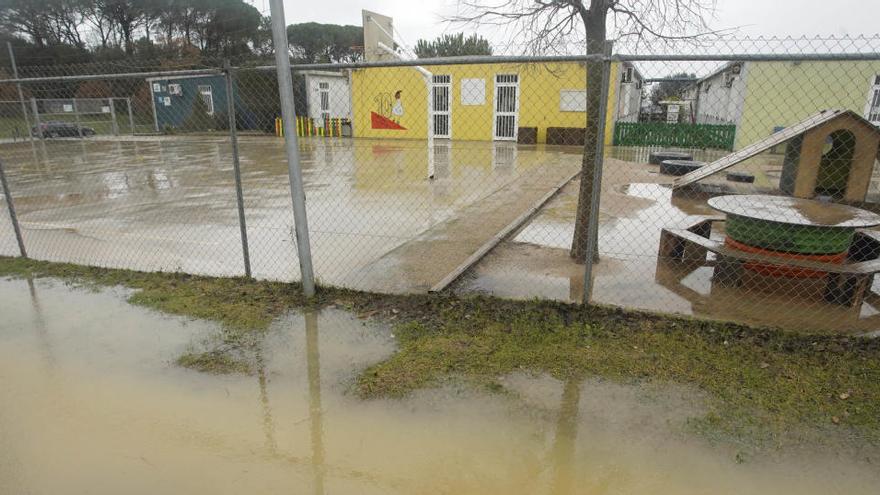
x,y
800,239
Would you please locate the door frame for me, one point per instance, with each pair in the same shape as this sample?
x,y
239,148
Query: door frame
x,y
206,92
324,89
495,112
448,112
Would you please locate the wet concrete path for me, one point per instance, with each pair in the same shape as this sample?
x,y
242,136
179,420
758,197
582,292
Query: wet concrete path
x,y
91,402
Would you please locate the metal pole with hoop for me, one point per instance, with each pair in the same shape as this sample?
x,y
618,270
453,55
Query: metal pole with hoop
x,y
24,115
114,124
236,166
10,205
79,129
37,123
294,170
130,116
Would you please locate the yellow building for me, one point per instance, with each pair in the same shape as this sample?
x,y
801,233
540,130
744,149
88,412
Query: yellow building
x,y
479,102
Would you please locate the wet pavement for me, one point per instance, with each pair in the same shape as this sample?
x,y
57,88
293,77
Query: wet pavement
x,y
376,221
91,402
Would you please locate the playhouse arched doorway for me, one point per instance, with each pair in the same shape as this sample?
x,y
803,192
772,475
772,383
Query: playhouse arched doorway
x,y
836,164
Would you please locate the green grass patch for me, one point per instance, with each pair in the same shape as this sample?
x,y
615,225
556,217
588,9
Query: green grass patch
x,y
216,362
761,381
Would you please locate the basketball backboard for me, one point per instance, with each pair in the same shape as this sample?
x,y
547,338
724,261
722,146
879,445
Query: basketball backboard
x,y
378,28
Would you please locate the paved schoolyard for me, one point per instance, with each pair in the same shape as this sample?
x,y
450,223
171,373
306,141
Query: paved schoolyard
x,y
376,221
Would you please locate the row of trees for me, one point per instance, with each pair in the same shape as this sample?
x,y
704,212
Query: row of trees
x,y
47,32
135,27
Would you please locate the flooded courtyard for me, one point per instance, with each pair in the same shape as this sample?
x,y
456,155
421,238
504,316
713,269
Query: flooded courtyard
x,y
91,401
168,203
377,223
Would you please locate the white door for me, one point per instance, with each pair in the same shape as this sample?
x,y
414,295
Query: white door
x,y
206,93
505,124
441,94
872,110
324,91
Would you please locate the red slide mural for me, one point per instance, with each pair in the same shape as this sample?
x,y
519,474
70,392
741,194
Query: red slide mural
x,y
378,121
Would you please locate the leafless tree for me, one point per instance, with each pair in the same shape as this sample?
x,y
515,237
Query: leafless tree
x,y
569,26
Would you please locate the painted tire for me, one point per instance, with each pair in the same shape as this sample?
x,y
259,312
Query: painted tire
x,y
781,237
679,167
657,157
782,270
744,177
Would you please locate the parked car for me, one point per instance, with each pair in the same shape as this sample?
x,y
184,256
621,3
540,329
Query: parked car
x,y
62,129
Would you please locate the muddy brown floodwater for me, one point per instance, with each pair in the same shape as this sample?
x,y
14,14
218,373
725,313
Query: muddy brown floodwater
x,y
91,402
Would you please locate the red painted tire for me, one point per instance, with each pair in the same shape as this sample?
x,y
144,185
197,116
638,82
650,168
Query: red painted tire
x,y
782,270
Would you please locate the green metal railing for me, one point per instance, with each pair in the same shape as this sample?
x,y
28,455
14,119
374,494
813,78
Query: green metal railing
x,y
674,135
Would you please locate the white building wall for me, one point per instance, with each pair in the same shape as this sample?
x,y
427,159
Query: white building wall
x,y
629,101
719,104
339,96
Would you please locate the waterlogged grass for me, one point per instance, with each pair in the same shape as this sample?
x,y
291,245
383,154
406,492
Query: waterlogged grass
x,y
762,382
217,361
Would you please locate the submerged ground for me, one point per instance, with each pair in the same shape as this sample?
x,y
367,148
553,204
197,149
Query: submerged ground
x,y
378,224
756,388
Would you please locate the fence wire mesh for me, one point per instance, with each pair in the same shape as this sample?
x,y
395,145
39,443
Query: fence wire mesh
x,y
739,178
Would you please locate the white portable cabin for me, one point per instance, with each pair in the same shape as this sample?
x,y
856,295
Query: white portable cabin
x,y
328,94
629,94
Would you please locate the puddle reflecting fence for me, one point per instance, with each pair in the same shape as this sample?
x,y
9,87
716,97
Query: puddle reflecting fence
x,y
468,174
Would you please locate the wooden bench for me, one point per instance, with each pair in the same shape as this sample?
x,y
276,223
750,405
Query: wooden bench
x,y
846,284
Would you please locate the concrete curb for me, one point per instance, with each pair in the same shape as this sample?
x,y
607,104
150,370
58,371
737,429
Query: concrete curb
x,y
500,236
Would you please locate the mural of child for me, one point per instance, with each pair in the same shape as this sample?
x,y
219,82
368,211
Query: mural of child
x,y
397,109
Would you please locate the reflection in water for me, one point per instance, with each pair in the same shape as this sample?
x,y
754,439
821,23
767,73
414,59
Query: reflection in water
x,y
566,436
504,157
315,414
39,323
268,422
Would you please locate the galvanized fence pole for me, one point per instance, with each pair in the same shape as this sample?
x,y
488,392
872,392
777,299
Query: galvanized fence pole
x,y
115,124
79,129
294,170
130,116
37,124
24,115
236,166
10,205
593,223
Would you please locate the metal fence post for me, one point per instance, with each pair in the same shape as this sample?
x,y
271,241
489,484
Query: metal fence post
x,y
130,116
236,166
24,115
113,117
79,129
294,171
10,205
37,118
593,224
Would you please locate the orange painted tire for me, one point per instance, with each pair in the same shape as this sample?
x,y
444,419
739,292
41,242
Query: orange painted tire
x,y
782,270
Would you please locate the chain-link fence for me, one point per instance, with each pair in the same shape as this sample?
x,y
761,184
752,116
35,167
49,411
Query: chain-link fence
x,y
738,179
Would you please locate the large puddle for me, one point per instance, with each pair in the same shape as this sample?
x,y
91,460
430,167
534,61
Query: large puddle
x,y
91,402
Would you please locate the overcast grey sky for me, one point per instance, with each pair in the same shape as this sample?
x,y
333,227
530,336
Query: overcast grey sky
x,y
414,19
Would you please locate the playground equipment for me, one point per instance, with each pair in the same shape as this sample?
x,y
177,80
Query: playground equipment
x,y
831,153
